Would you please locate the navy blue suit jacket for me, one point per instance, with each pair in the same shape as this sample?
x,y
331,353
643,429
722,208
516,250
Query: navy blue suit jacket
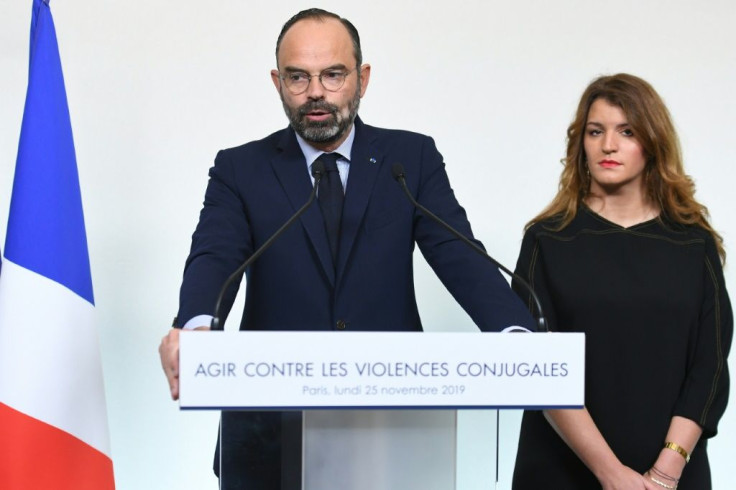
x,y
253,189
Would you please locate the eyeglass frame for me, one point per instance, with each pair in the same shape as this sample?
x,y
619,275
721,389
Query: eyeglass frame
x,y
309,76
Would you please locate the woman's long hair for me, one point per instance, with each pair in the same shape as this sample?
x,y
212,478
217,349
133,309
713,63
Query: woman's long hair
x,y
667,183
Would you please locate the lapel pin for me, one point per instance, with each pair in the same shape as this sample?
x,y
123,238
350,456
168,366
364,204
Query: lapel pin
x,y
372,160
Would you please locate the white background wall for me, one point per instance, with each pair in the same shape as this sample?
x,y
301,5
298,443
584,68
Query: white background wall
x,y
157,87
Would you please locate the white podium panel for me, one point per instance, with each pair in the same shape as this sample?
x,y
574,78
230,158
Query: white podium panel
x,y
387,449
309,370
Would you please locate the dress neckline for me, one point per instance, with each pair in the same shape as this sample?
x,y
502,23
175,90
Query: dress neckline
x,y
612,224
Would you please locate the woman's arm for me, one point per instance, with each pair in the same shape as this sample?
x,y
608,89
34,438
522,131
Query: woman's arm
x,y
578,430
670,463
704,393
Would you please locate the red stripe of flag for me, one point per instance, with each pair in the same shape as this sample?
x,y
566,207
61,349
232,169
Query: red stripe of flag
x,y
35,455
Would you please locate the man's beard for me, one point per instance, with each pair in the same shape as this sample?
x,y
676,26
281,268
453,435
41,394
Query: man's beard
x,y
327,131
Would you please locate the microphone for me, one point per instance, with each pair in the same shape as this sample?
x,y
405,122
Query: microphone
x,y
318,171
400,176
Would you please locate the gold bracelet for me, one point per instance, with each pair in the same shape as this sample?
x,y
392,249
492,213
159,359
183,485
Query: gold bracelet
x,y
678,449
663,484
662,474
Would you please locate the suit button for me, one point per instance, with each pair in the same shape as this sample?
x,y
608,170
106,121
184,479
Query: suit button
x,y
341,324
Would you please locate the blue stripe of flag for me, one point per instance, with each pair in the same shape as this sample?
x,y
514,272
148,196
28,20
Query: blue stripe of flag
x,y
46,232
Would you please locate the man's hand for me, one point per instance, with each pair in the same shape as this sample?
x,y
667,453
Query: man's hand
x,y
169,353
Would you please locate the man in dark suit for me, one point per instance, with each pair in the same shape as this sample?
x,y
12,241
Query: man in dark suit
x,y
347,263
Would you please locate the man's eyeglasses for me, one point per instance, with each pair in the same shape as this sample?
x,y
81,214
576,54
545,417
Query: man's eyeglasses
x,y
331,79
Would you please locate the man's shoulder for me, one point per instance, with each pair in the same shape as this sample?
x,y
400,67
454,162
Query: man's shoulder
x,y
409,147
260,147
391,133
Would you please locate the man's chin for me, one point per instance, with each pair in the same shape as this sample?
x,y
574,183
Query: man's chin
x,y
320,134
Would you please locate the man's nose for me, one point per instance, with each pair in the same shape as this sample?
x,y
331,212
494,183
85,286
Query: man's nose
x,y
315,90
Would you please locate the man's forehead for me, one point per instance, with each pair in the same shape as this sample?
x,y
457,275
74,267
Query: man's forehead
x,y
316,41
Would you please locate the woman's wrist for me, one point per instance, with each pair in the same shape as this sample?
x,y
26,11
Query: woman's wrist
x,y
661,479
670,463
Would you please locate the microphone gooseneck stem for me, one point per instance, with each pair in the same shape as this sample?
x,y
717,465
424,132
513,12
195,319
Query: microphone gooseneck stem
x,y
317,172
398,173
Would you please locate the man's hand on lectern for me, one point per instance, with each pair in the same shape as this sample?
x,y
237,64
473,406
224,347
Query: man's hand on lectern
x,y
169,353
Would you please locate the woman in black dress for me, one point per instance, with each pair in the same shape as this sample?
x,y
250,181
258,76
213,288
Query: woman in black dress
x,y
627,255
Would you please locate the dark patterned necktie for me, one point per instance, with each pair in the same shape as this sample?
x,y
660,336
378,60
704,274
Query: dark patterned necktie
x,y
331,197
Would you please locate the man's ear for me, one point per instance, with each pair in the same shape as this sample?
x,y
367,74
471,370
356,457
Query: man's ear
x,y
276,79
365,76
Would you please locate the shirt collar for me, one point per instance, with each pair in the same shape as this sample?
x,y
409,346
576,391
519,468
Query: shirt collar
x,y
311,153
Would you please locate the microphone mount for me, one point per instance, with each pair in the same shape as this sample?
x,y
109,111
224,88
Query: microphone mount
x,y
318,171
400,176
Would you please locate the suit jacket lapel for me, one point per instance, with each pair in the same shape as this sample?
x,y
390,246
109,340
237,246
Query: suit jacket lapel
x,y
291,171
365,161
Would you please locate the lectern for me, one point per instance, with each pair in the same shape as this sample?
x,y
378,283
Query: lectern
x,y
374,410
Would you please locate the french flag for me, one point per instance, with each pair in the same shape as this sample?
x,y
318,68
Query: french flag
x,y
53,421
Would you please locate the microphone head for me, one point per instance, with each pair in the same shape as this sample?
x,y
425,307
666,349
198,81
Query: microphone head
x,y
398,171
318,168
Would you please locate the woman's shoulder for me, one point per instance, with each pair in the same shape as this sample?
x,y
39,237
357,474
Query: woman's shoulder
x,y
693,235
556,225
685,231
